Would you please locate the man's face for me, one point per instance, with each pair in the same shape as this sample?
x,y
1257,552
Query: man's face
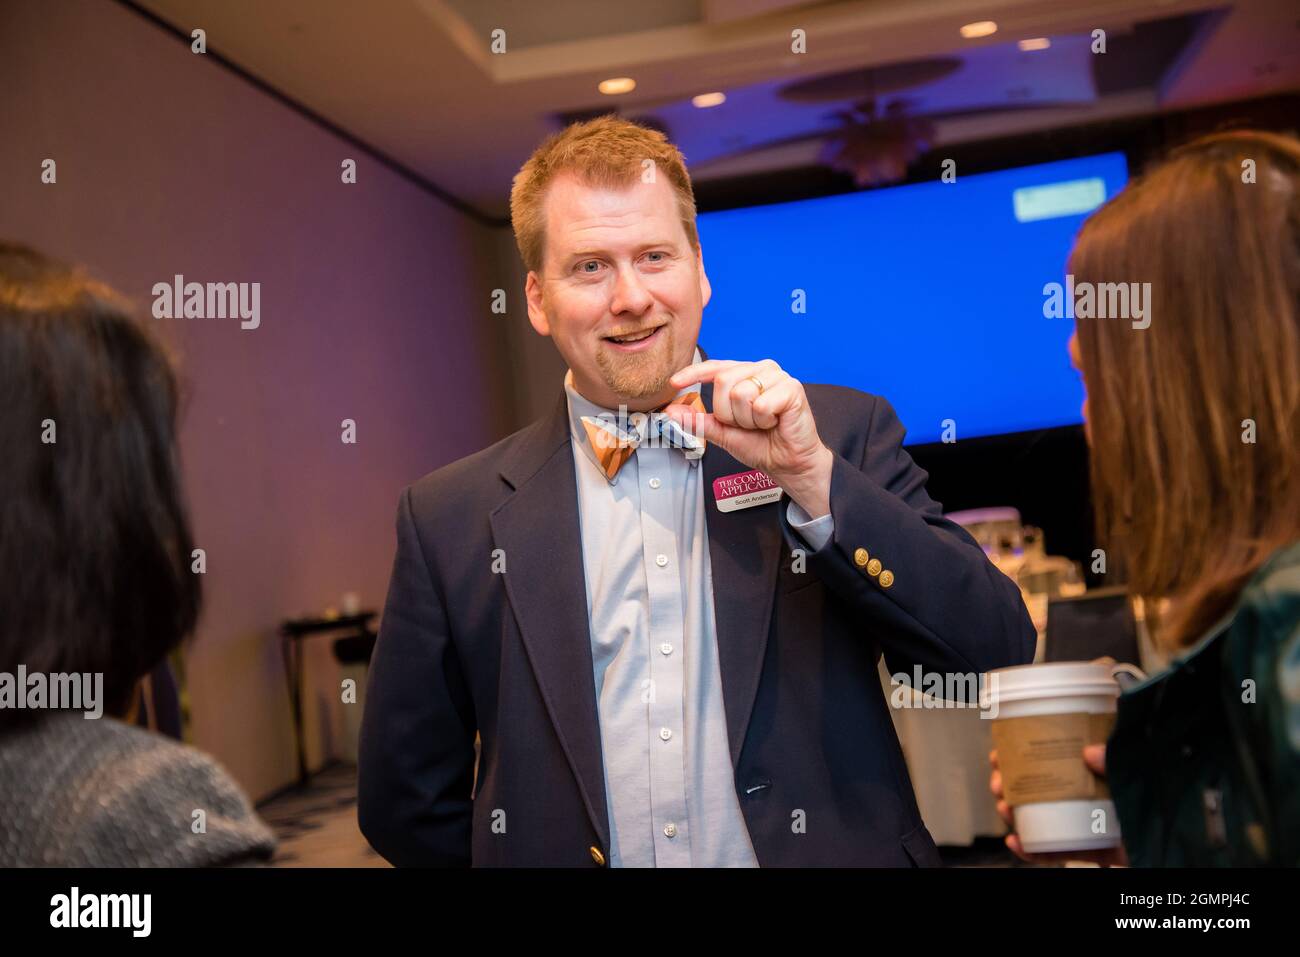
x,y
617,264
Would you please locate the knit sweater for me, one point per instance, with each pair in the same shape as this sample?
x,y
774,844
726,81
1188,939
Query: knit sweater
x,y
100,793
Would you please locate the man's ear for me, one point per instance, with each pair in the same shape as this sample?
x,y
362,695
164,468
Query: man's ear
x,y
536,314
706,290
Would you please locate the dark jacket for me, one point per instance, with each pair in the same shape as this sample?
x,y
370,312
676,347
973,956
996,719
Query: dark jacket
x,y
462,649
1204,760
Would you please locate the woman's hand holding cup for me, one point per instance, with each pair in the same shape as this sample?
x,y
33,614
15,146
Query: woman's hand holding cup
x,y
1094,755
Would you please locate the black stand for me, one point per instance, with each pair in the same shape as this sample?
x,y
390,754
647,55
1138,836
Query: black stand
x,y
291,633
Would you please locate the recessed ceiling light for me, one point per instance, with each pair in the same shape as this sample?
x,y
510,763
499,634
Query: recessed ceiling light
x,y
1035,43
616,85
980,28
705,100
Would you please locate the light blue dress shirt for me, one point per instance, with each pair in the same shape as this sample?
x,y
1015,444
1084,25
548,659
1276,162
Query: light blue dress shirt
x,y
669,783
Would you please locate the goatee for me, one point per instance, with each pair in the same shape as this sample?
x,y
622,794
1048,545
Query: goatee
x,y
640,375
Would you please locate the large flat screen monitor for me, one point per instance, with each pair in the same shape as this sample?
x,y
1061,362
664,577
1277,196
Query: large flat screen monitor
x,y
928,294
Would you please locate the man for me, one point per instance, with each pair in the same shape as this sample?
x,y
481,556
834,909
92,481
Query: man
x,y
665,666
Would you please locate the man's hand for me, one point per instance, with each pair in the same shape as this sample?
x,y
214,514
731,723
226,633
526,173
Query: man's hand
x,y
771,428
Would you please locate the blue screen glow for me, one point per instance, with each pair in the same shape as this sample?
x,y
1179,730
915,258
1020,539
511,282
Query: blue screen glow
x,y
930,295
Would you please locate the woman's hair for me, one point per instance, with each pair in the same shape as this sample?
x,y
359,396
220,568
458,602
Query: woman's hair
x,y
1195,420
94,539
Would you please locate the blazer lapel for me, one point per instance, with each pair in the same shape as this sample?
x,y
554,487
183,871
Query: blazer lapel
x,y
744,549
537,529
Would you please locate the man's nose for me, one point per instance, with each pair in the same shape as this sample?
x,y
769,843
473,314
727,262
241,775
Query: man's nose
x,y
630,294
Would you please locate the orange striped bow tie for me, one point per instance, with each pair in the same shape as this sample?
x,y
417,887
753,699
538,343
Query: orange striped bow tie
x,y
614,438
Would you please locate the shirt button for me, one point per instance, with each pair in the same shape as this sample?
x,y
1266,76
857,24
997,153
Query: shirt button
x,y
670,829
661,560
655,483
665,733
666,648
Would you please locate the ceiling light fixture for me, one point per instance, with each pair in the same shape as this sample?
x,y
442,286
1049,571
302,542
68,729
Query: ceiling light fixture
x,y
706,100
980,28
616,85
1035,43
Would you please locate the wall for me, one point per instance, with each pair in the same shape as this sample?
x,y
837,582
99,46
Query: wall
x,y
374,307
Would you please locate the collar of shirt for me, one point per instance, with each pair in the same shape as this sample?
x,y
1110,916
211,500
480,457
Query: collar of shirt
x,y
579,406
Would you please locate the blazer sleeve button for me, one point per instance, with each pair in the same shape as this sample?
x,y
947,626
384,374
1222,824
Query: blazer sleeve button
x,y
860,557
596,856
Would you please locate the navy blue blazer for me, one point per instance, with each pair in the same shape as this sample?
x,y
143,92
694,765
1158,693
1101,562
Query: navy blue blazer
x,y
463,649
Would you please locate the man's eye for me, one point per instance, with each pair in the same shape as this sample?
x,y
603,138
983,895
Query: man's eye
x,y
589,267
656,257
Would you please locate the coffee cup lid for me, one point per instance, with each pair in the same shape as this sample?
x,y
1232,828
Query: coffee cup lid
x,y
1050,680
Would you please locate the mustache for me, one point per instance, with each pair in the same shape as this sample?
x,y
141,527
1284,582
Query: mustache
x,y
620,333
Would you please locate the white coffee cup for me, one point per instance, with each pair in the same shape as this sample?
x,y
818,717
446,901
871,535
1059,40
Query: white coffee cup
x,y
1058,804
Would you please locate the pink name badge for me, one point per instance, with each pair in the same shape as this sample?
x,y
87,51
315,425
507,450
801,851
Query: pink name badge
x,y
744,490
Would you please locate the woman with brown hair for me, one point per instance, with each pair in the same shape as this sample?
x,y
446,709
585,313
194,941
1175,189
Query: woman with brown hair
x,y
95,589
1194,429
